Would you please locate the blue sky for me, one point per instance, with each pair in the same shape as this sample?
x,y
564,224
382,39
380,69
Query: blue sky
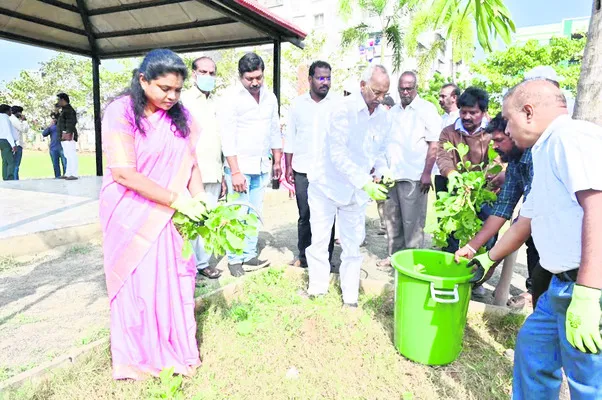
x,y
524,13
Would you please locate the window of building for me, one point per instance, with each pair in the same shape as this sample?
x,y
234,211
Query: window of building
x,y
319,20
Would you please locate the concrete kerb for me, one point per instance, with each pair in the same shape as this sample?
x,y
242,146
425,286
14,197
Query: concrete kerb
x,y
47,240
230,293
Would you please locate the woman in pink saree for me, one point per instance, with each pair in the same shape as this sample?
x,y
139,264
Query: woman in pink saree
x,y
149,145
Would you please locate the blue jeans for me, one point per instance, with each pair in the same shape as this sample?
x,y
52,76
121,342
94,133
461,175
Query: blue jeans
x,y
18,157
55,156
542,350
256,185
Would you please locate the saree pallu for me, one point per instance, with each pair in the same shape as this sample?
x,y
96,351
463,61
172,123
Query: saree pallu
x,y
150,287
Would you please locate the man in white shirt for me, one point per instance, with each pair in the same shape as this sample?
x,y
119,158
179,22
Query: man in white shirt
x,y
7,143
199,101
411,155
448,100
305,134
21,128
355,144
250,127
563,212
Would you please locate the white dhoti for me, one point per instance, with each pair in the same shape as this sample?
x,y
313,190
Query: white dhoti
x,y
352,230
70,151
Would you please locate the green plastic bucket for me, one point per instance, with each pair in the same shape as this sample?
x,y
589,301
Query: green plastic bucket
x,y
431,303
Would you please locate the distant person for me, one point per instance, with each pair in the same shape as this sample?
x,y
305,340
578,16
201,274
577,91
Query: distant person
x,y
56,149
200,102
388,102
448,100
21,128
66,126
7,143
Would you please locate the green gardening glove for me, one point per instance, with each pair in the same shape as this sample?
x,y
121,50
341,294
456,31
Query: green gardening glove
x,y
388,180
376,191
480,266
192,208
583,319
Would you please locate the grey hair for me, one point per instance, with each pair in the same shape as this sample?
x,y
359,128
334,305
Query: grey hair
x,y
367,73
409,73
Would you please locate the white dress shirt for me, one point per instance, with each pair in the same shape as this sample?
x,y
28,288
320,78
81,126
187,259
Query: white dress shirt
x,y
209,147
21,128
306,130
411,130
355,143
449,118
249,129
566,160
7,131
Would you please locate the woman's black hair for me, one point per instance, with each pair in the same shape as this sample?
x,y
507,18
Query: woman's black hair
x,y
155,64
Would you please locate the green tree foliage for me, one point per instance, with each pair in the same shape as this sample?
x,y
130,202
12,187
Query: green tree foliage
x,y
389,13
504,69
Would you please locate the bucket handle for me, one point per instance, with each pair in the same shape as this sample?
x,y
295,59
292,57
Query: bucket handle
x,y
454,293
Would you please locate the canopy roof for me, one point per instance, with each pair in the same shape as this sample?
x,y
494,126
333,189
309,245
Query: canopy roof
x,y
125,28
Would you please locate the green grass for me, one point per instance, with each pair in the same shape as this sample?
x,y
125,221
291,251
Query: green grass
x,y
37,164
273,344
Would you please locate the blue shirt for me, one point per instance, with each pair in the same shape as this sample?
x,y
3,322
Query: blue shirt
x,y
519,176
55,140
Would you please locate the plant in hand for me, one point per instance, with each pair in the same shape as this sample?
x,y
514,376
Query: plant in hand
x,y
223,229
456,210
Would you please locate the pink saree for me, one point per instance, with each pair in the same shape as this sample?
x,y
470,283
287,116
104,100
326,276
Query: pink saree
x,y
150,287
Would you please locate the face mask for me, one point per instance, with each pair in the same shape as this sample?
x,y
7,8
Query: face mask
x,y
206,83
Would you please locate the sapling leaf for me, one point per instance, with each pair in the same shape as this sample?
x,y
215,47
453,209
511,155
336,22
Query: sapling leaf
x,y
496,169
448,146
187,249
463,150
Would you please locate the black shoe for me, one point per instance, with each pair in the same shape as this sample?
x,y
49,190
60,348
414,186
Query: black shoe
x,y
349,305
255,264
236,270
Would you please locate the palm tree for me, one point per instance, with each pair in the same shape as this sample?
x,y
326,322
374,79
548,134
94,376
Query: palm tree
x,y
459,19
390,13
589,90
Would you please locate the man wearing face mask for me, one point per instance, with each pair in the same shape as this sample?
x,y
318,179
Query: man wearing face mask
x,y
249,124
341,184
200,103
305,134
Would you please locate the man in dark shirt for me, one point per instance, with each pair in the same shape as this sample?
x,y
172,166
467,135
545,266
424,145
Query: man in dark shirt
x,y
66,127
517,183
56,149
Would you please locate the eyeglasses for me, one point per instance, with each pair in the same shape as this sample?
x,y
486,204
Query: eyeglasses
x,y
323,79
406,89
378,93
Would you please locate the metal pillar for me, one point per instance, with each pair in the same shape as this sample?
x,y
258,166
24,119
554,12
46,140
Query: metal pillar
x,y
277,60
96,101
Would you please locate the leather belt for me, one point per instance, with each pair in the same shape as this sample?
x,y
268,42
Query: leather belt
x,y
568,276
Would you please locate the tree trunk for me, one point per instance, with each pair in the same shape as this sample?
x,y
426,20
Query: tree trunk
x,y
589,91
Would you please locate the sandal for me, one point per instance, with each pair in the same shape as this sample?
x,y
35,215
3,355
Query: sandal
x,y
210,272
519,302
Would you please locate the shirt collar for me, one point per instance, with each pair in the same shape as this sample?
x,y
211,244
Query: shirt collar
x,y
361,105
526,157
548,132
460,127
307,96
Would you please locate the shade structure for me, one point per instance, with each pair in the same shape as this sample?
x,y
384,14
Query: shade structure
x,y
104,29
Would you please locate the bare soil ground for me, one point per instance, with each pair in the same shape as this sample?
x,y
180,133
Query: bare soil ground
x,y
55,301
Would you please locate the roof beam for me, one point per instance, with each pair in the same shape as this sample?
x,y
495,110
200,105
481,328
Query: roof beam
x,y
43,43
83,12
188,48
60,4
166,28
246,20
41,21
133,6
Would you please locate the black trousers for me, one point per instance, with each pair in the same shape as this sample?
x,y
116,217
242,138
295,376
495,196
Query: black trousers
x,y
303,226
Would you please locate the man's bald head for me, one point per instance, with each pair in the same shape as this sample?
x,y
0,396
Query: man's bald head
x,y
375,86
530,107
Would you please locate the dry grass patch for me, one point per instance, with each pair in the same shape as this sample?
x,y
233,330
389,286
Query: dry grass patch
x,y
273,344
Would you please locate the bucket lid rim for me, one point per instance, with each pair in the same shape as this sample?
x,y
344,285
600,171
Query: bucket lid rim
x,y
427,277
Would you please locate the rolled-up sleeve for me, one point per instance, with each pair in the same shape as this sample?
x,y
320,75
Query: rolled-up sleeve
x,y
227,126
577,162
275,134
337,139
